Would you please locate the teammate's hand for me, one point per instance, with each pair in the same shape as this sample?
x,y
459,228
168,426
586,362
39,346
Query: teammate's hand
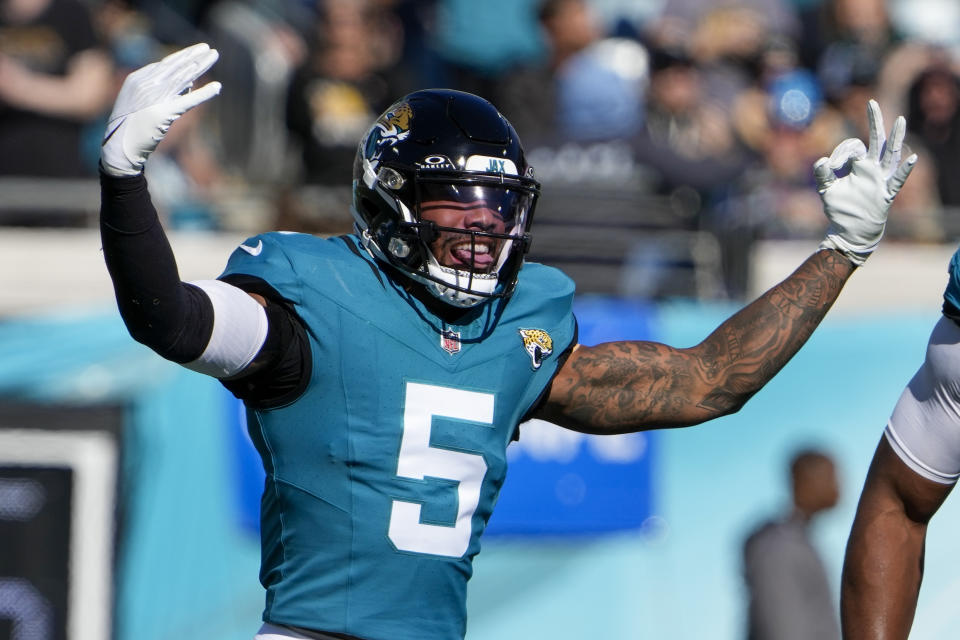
x,y
150,99
858,184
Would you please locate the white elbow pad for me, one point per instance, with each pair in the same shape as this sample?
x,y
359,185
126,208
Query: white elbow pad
x,y
239,330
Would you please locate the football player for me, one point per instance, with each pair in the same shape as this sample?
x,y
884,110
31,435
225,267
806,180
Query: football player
x,y
914,468
385,372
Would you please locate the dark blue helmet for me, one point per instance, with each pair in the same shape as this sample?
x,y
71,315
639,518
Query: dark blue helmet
x,y
443,193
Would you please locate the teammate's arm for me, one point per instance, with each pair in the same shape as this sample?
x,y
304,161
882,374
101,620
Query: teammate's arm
x,y
629,386
883,565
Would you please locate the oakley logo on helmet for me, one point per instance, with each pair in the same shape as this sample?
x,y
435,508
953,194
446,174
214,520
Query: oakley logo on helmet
x,y
437,163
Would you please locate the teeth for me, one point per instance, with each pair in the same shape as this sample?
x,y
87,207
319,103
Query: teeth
x,y
479,248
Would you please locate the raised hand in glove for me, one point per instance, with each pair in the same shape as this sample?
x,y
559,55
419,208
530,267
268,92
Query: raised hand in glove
x,y
150,99
858,185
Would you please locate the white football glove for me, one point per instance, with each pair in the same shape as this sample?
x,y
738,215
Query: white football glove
x,y
150,99
858,184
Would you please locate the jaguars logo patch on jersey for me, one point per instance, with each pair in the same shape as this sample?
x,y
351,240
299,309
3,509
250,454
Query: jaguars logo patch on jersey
x,y
538,344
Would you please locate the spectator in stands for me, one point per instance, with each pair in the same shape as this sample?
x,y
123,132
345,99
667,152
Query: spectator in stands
x,y
920,216
601,91
731,43
679,113
477,42
787,125
790,595
934,118
784,127
847,75
686,142
55,78
129,36
350,73
418,57
758,17
342,85
833,28
529,94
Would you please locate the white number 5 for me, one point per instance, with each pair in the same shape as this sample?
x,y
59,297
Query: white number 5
x,y
418,460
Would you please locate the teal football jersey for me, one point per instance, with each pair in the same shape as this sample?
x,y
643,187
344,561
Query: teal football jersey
x,y
382,475
952,293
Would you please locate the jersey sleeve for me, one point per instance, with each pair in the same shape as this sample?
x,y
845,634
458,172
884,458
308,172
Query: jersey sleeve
x,y
566,329
282,369
544,301
263,257
924,429
951,295
548,298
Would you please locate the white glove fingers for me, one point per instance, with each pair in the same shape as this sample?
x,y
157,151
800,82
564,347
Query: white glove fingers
x,y
891,154
823,174
845,152
144,71
150,99
191,99
183,77
171,77
204,63
900,176
826,170
177,57
179,69
898,134
878,135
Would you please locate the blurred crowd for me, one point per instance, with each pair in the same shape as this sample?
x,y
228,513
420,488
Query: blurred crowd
x,y
717,109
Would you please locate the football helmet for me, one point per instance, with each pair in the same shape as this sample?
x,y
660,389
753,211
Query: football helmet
x,y
442,193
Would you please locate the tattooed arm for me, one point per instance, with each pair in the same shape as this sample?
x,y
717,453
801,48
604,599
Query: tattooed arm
x,y
619,387
629,386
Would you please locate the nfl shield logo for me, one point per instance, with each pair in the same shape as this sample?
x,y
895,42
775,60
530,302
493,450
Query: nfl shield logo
x,y
450,341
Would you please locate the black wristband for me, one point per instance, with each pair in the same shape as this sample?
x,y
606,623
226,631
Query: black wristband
x,y
125,205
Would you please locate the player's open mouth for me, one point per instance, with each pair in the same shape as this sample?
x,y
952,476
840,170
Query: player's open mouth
x,y
476,255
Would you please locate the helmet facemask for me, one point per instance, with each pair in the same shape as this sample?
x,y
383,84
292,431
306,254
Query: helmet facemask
x,y
472,228
462,236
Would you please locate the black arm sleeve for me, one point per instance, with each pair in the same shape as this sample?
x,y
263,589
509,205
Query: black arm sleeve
x,y
174,318
171,317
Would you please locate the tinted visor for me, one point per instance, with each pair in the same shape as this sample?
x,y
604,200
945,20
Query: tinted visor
x,y
510,203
